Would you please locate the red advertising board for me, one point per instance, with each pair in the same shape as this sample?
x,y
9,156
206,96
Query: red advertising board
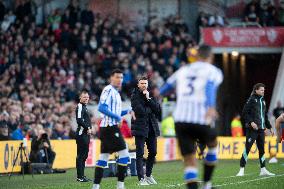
x,y
244,37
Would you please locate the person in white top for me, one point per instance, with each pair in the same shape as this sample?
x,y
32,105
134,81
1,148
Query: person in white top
x,y
196,87
110,135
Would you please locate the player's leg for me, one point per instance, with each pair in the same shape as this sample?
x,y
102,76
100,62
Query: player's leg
x,y
191,170
120,146
260,140
208,136
188,148
122,167
251,136
151,143
99,170
105,136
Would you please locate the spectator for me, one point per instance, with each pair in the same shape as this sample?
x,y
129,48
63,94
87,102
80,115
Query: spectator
x,y
168,126
268,14
236,126
41,151
281,13
2,10
87,16
4,134
20,133
41,68
216,20
256,4
252,15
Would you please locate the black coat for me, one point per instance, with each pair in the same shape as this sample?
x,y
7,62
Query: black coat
x,y
255,111
83,119
147,112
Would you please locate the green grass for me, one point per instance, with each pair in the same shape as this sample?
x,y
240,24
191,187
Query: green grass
x,y
168,175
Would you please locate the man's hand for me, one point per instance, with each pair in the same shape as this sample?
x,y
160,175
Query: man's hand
x,y
89,131
119,125
132,113
211,115
146,93
45,144
254,126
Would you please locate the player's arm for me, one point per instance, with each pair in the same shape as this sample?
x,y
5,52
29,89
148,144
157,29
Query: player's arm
x,y
215,78
124,112
79,117
278,128
246,113
169,85
103,108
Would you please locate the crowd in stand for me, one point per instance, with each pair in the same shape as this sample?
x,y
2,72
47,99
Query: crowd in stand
x,y
264,13
42,67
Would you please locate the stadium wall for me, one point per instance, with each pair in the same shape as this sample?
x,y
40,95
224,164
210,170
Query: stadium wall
x,y
229,148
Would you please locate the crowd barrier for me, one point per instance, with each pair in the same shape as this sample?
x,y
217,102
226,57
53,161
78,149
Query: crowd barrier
x,y
228,148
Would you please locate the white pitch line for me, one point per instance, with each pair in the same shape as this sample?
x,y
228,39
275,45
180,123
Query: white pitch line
x,y
247,181
233,176
226,184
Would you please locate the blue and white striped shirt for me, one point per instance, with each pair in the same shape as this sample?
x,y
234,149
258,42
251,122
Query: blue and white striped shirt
x,y
110,97
196,87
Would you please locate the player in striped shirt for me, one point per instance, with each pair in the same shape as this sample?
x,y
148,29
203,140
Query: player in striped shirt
x,y
110,135
196,88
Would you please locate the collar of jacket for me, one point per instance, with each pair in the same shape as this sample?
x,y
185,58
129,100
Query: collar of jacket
x,y
257,96
82,103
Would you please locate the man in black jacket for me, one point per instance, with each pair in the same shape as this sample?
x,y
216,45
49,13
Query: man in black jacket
x,y
145,129
256,121
41,151
82,135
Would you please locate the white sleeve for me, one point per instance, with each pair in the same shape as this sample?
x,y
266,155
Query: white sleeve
x,y
79,113
216,76
105,96
173,79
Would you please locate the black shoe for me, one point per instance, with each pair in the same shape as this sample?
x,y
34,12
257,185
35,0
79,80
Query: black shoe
x,y
82,179
87,178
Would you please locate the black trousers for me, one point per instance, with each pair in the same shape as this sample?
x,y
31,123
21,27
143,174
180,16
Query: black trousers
x,y
251,136
82,142
151,143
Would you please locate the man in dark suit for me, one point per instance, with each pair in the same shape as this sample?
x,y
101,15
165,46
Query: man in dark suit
x,y
145,129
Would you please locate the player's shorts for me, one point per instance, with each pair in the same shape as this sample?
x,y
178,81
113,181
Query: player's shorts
x,y
188,133
111,139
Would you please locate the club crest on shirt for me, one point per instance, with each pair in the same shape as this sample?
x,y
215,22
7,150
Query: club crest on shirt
x,y
116,134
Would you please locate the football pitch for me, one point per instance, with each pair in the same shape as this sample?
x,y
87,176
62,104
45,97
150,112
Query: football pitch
x,y
168,175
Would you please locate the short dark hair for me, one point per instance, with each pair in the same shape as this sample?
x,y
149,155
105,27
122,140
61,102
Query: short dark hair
x,y
204,51
142,78
116,71
257,86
